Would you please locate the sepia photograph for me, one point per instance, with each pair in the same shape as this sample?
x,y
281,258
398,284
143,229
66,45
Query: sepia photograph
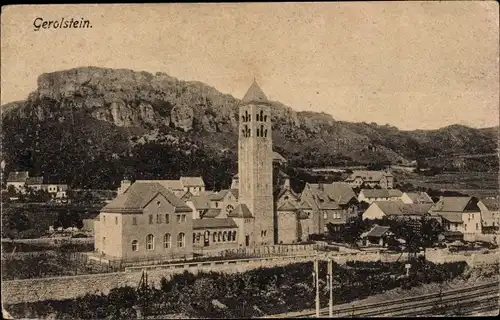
x,y
250,160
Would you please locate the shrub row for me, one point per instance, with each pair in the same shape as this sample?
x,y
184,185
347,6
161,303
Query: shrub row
x,y
251,294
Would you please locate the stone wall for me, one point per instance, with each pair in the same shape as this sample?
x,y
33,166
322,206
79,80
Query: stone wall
x,y
28,290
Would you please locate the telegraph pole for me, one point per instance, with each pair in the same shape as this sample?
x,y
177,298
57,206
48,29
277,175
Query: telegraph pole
x,y
330,285
316,273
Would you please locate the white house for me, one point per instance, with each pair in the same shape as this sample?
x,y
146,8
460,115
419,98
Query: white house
x,y
459,214
371,195
416,197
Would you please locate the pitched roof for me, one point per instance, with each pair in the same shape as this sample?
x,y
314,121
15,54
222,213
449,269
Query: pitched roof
x,y
34,180
254,94
241,211
399,208
219,195
452,204
211,223
201,202
138,195
455,217
331,195
377,231
283,190
287,206
192,181
381,193
211,213
369,176
341,192
17,176
277,156
419,197
175,185
235,192
491,204
305,205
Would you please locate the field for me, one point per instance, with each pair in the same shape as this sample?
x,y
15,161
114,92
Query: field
x,y
473,183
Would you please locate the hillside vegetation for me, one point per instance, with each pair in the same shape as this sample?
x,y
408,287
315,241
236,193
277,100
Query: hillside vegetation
x,y
92,126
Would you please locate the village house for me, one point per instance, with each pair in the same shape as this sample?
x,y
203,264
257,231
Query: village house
x,y
416,197
331,203
147,221
17,180
490,214
399,210
371,195
34,183
383,179
459,214
377,235
193,185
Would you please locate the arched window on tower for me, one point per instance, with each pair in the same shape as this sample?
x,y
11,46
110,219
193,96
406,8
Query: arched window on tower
x,y
265,118
243,118
265,133
249,117
249,132
246,116
261,130
257,117
257,132
261,115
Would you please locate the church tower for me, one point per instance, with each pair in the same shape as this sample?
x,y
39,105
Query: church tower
x,y
255,163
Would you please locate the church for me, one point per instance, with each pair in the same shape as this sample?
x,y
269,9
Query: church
x,y
158,219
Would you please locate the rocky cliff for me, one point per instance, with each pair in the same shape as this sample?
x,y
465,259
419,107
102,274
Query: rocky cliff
x,y
117,122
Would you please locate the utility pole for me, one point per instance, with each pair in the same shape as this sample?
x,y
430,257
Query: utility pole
x,y
316,273
330,285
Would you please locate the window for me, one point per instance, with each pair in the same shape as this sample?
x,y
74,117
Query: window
x,y
234,236
216,204
116,220
224,236
135,245
229,209
325,216
257,116
219,236
477,226
158,218
194,237
265,119
183,218
104,218
181,240
150,219
198,237
167,241
214,237
150,241
134,221
167,218
258,132
178,218
265,233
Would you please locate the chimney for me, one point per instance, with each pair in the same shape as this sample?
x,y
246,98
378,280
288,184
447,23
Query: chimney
x,y
287,183
125,184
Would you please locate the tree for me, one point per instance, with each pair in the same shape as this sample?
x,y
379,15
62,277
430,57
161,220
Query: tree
x,y
430,231
16,223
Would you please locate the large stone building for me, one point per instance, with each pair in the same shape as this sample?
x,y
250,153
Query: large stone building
x,y
255,165
251,213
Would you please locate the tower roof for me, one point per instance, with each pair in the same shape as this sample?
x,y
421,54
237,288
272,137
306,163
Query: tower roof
x,y
254,94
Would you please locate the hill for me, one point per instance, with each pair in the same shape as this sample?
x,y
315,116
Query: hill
x,y
91,126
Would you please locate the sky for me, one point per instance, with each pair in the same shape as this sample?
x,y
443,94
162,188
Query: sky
x,y
413,65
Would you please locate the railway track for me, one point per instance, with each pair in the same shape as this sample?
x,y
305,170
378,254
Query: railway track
x,y
474,299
